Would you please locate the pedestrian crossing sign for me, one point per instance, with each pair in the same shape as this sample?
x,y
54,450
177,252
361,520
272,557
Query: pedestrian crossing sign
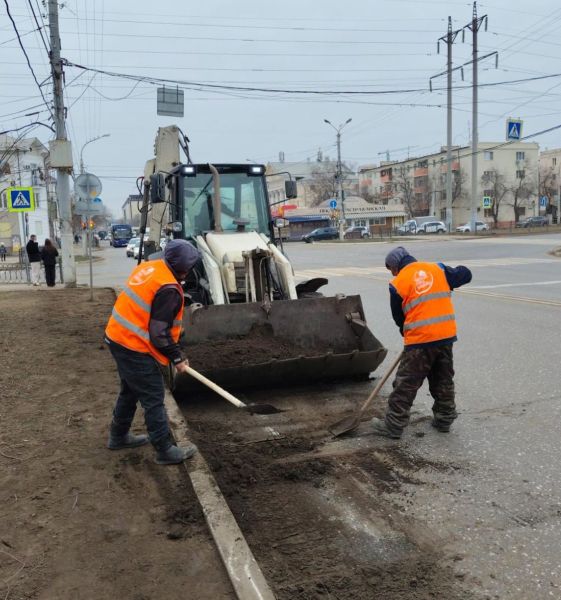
x,y
513,130
20,199
487,202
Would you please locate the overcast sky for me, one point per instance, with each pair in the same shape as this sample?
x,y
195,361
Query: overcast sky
x,y
381,45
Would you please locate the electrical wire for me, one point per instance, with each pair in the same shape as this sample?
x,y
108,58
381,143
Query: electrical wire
x,y
39,28
207,86
26,56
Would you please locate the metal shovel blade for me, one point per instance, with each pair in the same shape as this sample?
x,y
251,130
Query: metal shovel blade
x,y
345,425
262,409
351,423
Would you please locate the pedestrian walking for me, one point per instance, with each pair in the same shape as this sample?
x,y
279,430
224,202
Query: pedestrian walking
x,y
49,255
3,252
421,305
143,335
34,257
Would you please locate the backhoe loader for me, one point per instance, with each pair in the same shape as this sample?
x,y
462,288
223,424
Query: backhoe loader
x,y
247,322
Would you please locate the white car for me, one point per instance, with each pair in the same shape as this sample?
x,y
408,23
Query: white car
x,y
131,244
466,228
431,227
136,250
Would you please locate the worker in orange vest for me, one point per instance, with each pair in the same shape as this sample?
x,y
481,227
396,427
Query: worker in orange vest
x,y
421,303
143,334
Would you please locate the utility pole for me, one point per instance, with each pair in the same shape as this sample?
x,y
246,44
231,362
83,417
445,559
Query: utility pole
x,y
340,192
61,152
474,132
449,39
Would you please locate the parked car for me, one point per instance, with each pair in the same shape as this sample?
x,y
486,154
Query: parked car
x,y
131,245
357,231
136,250
321,233
431,227
466,228
533,222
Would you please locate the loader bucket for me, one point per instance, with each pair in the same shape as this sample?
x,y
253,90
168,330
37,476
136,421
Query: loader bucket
x,y
240,346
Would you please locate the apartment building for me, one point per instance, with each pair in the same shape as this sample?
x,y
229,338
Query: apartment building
x,y
23,163
316,181
507,177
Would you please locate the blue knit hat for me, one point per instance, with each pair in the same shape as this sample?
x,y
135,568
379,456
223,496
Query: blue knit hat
x,y
181,255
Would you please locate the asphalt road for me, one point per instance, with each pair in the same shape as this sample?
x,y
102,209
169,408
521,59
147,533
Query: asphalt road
x,y
499,508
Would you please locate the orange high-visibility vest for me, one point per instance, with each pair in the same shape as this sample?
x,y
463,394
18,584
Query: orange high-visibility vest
x,y
427,304
129,321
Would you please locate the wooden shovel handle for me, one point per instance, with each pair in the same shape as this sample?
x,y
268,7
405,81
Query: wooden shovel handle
x,y
216,388
381,383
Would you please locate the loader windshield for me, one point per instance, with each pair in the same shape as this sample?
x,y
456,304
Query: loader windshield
x,y
242,197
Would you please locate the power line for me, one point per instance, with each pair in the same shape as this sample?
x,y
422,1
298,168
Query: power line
x,y
208,86
39,28
26,55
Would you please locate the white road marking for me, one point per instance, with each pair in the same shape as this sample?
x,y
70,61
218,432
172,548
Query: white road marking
x,y
519,284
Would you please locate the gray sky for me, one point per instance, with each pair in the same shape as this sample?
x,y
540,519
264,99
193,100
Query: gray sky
x,y
305,44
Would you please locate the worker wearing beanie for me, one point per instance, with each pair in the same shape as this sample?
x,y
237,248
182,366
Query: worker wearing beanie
x,y
421,304
143,333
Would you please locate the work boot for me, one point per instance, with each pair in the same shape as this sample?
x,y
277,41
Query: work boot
x,y
174,455
380,427
129,440
442,427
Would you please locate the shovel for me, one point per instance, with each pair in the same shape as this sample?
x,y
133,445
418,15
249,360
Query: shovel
x,y
349,424
258,409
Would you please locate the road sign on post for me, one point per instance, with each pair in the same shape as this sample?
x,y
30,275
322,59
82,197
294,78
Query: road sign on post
x,y
20,199
487,202
543,201
513,129
333,204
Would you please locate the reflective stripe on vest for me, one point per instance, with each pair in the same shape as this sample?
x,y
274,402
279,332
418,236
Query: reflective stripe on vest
x,y
432,321
129,323
426,303
425,298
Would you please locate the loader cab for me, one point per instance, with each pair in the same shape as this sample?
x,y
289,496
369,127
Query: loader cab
x,y
244,201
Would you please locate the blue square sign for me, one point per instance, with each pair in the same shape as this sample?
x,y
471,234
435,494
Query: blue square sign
x,y
20,199
513,129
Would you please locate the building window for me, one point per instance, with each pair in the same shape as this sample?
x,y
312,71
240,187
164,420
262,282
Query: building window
x,y
488,213
520,156
521,211
488,193
487,155
377,221
359,222
554,161
520,174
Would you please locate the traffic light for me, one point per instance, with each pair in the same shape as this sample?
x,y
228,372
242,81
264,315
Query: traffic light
x,y
91,224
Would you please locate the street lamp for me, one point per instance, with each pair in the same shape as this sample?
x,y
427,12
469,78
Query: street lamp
x,y
89,142
340,172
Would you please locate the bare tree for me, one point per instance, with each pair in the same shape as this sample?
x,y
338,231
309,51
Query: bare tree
x,y
524,187
548,183
458,179
323,183
494,183
404,185
371,197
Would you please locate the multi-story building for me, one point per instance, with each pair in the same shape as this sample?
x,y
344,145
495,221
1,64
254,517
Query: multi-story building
x,y
507,174
131,210
23,163
316,181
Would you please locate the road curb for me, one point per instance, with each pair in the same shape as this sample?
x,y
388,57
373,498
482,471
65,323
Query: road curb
x,y
246,576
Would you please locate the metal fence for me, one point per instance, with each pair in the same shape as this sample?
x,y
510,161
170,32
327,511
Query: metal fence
x,y
16,269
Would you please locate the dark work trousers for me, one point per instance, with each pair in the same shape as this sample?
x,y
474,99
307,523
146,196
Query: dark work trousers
x,y
50,275
141,381
435,363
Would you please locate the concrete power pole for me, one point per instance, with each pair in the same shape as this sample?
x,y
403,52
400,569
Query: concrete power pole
x,y
448,39
61,152
474,129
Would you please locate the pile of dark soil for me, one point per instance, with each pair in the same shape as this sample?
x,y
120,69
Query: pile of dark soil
x,y
259,346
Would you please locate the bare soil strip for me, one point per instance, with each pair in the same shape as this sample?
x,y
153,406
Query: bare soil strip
x,y
318,513
76,520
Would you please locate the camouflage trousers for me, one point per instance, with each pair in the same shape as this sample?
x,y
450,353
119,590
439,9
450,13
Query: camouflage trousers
x,y
435,363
